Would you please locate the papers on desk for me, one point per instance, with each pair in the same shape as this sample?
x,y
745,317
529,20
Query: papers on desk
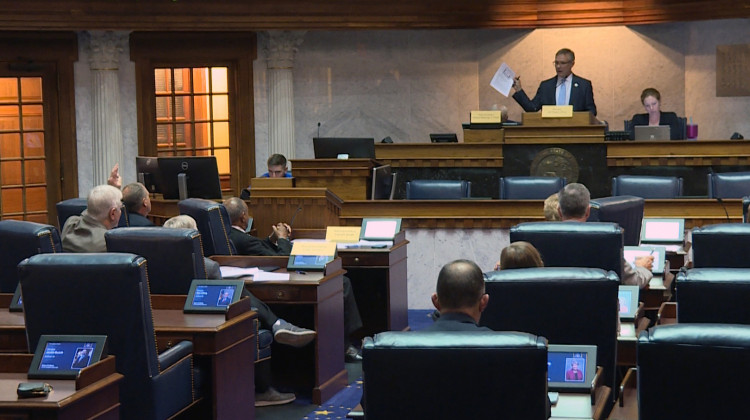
x,y
365,244
266,276
229,272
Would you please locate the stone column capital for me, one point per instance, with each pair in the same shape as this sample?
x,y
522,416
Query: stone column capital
x,y
104,49
280,48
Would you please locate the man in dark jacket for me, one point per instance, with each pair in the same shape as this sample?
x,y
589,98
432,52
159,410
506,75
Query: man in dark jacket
x,y
459,297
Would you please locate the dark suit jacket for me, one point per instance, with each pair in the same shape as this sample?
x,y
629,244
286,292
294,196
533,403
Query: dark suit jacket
x,y
453,321
666,118
581,96
136,220
250,245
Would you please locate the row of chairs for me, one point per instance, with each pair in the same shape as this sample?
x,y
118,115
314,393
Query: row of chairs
x,y
720,185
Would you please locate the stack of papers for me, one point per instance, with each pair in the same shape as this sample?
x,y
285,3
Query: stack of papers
x,y
229,272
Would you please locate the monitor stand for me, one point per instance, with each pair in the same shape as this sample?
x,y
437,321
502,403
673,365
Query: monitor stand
x,y
182,186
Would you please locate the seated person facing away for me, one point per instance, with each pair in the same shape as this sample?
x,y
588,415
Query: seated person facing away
x,y
519,254
274,245
551,204
138,204
85,233
278,244
276,167
575,207
651,100
283,331
459,297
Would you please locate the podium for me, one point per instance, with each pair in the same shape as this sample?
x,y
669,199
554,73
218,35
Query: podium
x,y
583,127
349,179
313,209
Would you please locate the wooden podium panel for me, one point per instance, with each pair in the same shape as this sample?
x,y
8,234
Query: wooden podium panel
x,y
318,208
349,179
441,155
581,128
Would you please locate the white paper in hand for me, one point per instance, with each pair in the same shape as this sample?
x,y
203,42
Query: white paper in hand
x,y
502,81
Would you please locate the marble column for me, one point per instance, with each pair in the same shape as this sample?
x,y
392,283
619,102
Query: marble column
x,y
104,48
280,48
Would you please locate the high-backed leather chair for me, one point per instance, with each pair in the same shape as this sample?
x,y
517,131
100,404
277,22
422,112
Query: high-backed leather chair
x,y
456,374
745,206
690,371
529,187
107,294
76,206
574,244
647,186
717,295
20,240
437,189
625,210
728,184
722,245
213,223
175,256
566,305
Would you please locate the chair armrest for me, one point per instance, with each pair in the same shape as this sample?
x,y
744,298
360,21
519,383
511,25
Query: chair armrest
x,y
629,381
174,354
667,313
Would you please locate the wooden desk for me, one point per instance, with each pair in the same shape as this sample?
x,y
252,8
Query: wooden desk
x,y
12,332
626,407
311,300
379,281
349,179
223,345
94,395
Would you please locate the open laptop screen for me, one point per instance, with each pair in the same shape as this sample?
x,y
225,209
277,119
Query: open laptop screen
x,y
570,367
663,231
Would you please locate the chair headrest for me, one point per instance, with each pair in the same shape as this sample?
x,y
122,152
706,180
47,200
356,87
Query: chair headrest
x,y
733,335
723,229
718,275
454,339
568,227
550,274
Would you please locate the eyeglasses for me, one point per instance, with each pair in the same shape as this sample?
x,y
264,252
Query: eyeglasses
x,y
561,63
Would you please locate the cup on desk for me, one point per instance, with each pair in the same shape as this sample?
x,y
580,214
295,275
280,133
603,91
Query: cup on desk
x,y
692,131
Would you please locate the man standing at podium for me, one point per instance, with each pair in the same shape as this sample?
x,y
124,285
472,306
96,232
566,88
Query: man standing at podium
x,y
564,89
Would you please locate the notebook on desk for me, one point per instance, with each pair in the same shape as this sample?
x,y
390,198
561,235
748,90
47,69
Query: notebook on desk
x,y
571,367
652,132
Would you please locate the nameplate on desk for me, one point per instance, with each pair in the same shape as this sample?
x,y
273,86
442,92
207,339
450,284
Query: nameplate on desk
x,y
485,117
314,248
557,111
343,234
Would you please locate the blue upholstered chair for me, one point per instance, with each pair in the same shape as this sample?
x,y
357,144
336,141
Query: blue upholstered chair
x,y
745,205
529,187
175,256
565,305
713,295
574,244
493,375
437,189
722,245
728,184
213,223
107,294
76,206
689,371
20,240
625,210
646,186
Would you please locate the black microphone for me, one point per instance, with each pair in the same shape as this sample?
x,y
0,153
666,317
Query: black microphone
x,y
295,215
716,193
318,129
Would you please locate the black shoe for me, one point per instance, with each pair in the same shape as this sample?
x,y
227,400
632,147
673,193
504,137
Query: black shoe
x,y
352,355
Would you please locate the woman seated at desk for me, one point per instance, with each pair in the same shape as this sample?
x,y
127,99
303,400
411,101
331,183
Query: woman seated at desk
x,y
651,100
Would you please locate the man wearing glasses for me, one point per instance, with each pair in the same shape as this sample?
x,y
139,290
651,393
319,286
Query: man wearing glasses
x,y
563,89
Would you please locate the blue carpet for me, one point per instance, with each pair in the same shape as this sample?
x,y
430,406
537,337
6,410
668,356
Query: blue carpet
x,y
343,402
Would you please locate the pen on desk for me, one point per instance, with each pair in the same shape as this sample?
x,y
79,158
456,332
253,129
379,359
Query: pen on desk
x,y
301,272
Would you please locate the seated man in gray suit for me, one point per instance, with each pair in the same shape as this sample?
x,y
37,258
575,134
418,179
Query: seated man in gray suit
x,y
459,297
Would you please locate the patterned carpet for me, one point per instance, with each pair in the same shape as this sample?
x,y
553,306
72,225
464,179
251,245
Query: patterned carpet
x,y
343,402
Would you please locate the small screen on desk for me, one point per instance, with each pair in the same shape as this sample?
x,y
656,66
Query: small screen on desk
x,y
663,230
630,253
308,262
65,356
571,367
380,229
213,295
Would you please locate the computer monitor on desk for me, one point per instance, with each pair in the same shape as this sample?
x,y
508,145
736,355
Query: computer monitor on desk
x,y
343,148
667,232
190,177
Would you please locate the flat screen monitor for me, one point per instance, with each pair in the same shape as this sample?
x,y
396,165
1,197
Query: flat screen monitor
x,y
380,229
383,183
147,170
308,262
343,147
16,304
570,367
627,298
663,231
652,132
63,356
444,138
658,252
212,296
196,176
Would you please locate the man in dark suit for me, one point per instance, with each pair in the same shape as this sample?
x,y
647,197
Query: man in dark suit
x,y
459,297
563,89
138,204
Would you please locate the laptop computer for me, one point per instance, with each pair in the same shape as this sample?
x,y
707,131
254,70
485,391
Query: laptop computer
x,y
669,233
627,297
652,132
570,367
